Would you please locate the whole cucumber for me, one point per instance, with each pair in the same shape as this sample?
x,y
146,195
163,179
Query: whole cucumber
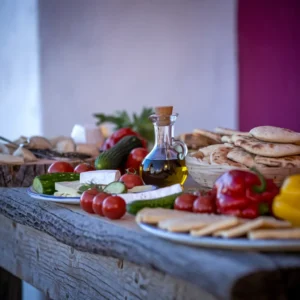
x,y
116,155
164,202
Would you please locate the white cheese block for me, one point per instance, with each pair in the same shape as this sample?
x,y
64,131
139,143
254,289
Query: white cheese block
x,y
67,188
99,177
158,193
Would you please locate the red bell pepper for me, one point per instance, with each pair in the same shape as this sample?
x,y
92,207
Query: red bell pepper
x,y
118,135
244,194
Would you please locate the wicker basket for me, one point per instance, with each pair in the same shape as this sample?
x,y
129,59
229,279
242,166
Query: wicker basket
x,y
206,174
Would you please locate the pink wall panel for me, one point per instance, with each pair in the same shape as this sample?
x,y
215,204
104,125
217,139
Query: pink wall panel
x,y
269,63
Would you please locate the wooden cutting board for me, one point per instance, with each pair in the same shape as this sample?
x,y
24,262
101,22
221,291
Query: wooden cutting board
x,y
22,175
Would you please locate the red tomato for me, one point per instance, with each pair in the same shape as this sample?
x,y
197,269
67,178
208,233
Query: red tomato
x,y
118,135
185,202
86,200
107,144
60,167
114,207
135,158
84,167
204,204
131,180
98,201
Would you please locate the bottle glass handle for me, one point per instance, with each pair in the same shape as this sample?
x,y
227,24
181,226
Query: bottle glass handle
x,y
181,148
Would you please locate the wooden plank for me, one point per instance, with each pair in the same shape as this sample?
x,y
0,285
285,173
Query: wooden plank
x,y
220,273
62,272
10,285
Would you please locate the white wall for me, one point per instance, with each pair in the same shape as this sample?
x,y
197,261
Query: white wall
x,y
19,78
105,55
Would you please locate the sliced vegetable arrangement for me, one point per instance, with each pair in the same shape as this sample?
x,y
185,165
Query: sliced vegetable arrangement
x,y
244,194
112,186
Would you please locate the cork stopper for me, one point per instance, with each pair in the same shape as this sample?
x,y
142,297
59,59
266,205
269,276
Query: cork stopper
x,y
164,110
163,113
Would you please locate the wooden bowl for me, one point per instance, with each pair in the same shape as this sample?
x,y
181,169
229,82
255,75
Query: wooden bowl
x,y
206,174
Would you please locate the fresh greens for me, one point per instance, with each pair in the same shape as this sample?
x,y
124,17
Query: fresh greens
x,y
138,122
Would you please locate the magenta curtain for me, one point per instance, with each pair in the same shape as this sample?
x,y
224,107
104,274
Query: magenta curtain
x,y
269,63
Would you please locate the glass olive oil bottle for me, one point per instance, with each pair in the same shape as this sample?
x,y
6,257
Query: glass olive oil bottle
x,y
165,164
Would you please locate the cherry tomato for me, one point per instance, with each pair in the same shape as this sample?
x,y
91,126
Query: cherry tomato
x,y
84,167
60,167
98,201
204,204
135,158
131,179
86,199
114,207
185,202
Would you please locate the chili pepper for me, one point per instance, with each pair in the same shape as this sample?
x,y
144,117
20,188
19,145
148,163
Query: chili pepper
x,y
118,135
286,204
245,194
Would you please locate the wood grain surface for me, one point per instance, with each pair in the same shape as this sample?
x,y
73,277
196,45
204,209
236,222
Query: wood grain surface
x,y
224,274
63,272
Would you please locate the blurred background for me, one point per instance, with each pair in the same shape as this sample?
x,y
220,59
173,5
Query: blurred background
x,y
62,61
223,63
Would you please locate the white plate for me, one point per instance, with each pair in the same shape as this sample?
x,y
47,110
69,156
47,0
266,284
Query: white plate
x,y
221,243
67,200
59,199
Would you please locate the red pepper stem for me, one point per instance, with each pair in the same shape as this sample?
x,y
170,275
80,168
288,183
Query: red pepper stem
x,y
263,184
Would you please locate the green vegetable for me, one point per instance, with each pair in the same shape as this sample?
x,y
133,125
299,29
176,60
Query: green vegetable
x,y
139,123
45,184
164,202
114,157
85,187
115,187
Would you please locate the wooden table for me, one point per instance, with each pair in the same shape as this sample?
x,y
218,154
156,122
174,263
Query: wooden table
x,y
69,254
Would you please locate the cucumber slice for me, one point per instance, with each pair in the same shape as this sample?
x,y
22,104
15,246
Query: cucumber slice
x,y
142,188
115,187
164,202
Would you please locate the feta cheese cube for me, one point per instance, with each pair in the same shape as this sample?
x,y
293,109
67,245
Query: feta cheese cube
x,y
99,177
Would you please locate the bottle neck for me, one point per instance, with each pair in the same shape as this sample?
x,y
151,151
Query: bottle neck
x,y
163,135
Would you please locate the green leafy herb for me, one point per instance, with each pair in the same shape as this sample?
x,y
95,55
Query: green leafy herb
x,y
137,122
87,186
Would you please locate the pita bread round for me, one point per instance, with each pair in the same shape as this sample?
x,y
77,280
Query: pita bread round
x,y
212,135
275,134
209,149
219,157
227,131
281,162
241,156
196,140
227,139
268,149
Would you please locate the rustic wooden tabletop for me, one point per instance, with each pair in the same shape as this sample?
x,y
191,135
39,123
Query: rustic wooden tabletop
x,y
70,254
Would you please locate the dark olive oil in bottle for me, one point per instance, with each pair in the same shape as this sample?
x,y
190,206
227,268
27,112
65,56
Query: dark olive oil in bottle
x,y
165,164
164,172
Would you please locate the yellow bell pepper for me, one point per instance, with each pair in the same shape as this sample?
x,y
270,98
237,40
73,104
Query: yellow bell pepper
x,y
283,210
286,205
291,184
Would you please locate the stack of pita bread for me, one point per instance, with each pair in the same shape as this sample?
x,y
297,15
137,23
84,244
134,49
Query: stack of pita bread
x,y
273,150
263,146
199,138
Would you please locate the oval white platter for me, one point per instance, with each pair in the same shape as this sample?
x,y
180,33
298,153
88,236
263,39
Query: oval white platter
x,y
59,199
221,243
